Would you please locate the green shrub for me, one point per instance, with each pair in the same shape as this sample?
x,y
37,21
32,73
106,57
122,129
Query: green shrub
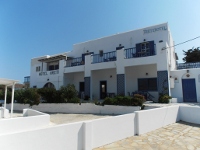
x,y
31,97
164,98
138,100
68,93
48,94
19,96
74,100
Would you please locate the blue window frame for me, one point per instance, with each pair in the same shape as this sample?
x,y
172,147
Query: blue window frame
x,y
147,84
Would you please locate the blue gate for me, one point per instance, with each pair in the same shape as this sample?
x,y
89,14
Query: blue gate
x,y
189,90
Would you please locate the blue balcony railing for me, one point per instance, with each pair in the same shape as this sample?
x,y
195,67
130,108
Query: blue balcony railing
x,y
105,57
188,65
74,62
131,52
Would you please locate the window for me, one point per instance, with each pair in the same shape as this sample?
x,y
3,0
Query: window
x,y
101,53
37,68
53,66
147,84
145,47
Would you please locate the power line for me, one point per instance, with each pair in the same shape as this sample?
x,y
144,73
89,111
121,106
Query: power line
x,y
182,43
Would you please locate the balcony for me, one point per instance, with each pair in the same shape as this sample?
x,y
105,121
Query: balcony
x,y
105,57
74,62
188,65
131,52
52,72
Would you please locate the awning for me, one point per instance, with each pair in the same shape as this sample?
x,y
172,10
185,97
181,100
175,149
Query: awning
x,y
53,58
9,82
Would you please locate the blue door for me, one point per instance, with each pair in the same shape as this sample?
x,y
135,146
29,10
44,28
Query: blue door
x,y
189,90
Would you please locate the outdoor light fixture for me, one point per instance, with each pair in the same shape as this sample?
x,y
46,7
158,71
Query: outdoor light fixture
x,y
110,76
47,79
147,74
188,71
144,40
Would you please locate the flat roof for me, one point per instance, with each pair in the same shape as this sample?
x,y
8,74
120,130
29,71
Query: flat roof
x,y
7,81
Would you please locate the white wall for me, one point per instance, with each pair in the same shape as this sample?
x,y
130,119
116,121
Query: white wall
x,y
19,124
104,75
74,78
108,130
181,74
127,39
148,120
133,73
190,114
84,108
59,137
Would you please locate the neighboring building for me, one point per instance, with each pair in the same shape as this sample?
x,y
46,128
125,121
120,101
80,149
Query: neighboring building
x,y
27,81
138,60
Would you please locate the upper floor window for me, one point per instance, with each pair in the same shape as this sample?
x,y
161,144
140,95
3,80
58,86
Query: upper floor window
x,y
53,66
145,49
37,68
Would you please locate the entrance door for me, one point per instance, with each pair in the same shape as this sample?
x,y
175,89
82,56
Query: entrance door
x,y
103,89
81,87
189,90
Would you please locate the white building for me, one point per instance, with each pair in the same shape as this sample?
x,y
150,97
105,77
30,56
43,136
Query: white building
x,y
138,60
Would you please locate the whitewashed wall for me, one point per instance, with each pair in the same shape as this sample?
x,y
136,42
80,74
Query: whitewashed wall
x,y
84,108
74,78
104,75
19,124
59,137
108,130
133,73
190,114
149,120
181,74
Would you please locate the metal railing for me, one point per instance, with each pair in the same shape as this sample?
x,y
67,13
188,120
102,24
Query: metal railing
x,y
74,62
188,65
105,57
52,72
131,52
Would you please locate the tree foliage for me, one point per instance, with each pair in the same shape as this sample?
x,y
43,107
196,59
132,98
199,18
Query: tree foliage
x,y
192,55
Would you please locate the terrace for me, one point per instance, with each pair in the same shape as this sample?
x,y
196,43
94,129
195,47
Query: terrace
x,y
188,65
104,57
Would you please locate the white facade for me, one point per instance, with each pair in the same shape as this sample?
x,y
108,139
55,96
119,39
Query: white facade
x,y
119,64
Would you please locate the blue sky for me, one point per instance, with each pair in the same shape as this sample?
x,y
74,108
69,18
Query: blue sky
x,y
32,28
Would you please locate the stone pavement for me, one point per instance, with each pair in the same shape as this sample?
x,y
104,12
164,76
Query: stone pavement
x,y
177,136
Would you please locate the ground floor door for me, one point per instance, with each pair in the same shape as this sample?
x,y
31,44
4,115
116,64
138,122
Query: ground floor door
x,y
103,89
189,90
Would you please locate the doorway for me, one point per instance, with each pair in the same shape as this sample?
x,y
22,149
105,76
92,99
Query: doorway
x,y
103,89
189,90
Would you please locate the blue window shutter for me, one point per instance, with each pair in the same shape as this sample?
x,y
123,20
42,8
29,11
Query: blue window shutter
x,y
138,48
83,57
151,46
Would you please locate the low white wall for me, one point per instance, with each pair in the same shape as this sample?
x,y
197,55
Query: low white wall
x,y
190,114
23,123
31,112
149,120
60,137
4,113
84,108
108,130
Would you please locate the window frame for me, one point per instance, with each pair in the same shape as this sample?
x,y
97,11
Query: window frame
x,y
149,87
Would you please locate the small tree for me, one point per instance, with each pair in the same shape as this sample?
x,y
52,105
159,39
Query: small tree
x,y
69,93
192,55
31,97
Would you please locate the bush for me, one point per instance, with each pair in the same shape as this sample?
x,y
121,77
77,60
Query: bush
x,y
31,97
19,96
48,94
138,100
164,98
68,93
74,100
